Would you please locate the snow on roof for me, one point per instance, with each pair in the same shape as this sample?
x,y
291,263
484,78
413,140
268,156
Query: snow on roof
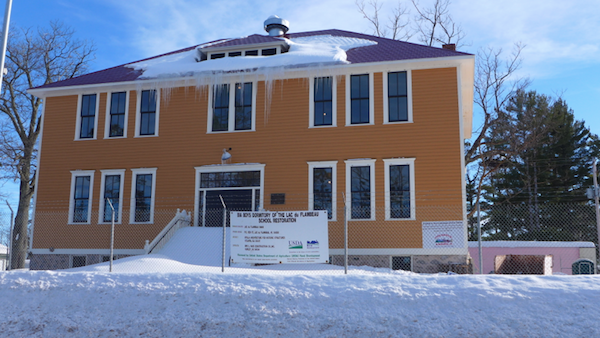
x,y
3,249
531,244
310,50
341,47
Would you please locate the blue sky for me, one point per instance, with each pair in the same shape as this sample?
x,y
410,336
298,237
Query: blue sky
x,y
562,54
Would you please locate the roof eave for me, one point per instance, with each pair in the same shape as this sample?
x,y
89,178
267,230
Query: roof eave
x,y
466,76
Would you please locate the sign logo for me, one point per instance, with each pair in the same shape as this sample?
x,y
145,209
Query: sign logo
x,y
312,244
295,244
443,240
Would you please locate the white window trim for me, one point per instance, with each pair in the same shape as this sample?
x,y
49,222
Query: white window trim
x,y
78,119
411,171
311,106
138,109
323,164
107,119
220,168
74,175
135,173
371,101
360,163
386,112
119,213
231,118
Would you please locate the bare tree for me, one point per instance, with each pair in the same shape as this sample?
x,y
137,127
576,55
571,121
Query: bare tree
x,y
398,22
435,25
34,58
432,25
495,83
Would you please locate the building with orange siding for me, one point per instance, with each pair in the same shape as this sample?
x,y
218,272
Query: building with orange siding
x,y
368,128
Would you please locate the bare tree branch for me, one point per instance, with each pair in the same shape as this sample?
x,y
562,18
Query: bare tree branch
x,y
435,25
396,28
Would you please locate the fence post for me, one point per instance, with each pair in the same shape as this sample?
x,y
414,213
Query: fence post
x,y
112,233
10,241
479,238
224,232
345,235
597,205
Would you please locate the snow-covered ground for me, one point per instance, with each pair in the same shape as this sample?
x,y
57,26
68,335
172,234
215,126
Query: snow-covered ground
x,y
162,295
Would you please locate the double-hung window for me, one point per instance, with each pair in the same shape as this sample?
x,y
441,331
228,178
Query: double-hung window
x,y
359,102
322,102
86,118
112,190
116,115
80,205
360,188
232,107
243,106
322,178
143,185
148,111
399,188
397,103
220,121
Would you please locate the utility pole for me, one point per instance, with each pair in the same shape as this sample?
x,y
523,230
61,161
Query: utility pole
x,y
4,38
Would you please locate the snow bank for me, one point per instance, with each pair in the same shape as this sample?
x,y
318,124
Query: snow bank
x,y
67,304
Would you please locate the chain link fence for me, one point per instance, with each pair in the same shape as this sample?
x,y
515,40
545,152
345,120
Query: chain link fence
x,y
420,238
535,239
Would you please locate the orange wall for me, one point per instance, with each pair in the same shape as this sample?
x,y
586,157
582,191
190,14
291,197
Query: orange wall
x,y
282,141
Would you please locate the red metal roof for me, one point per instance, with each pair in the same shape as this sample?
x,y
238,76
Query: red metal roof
x,y
384,50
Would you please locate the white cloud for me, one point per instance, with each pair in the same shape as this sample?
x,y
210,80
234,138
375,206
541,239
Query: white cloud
x,y
553,31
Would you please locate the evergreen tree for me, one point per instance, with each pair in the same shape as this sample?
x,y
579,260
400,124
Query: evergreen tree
x,y
550,169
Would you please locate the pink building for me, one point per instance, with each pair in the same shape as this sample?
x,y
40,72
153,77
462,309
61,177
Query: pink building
x,y
564,254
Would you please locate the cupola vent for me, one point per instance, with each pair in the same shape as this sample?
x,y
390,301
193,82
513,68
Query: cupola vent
x,y
276,26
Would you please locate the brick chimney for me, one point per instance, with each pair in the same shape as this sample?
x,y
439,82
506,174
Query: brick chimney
x,y
450,46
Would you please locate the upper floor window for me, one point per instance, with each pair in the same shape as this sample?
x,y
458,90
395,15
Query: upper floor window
x,y
269,51
86,118
80,204
232,110
359,103
117,115
142,191
360,188
322,179
399,188
220,121
397,105
323,103
147,117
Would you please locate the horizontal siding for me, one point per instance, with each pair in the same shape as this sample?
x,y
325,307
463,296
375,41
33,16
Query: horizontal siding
x,y
282,141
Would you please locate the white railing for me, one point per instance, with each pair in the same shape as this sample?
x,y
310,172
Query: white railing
x,y
181,219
